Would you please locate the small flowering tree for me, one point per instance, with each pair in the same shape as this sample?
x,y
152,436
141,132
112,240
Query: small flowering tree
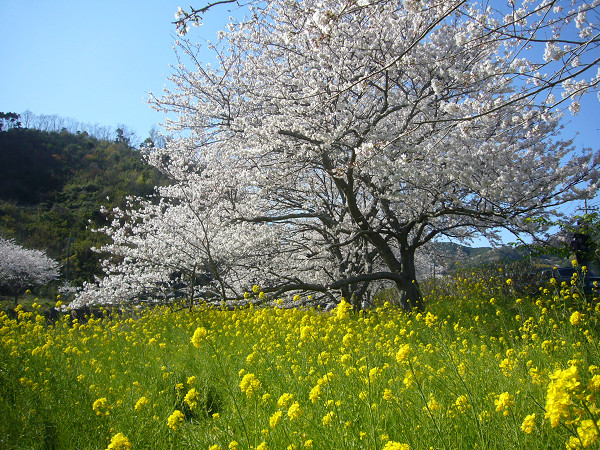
x,y
333,140
178,240
22,268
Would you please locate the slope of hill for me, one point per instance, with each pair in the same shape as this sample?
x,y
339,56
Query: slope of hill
x,y
52,186
447,258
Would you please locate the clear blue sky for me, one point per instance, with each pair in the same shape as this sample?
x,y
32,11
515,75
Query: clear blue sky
x,y
93,61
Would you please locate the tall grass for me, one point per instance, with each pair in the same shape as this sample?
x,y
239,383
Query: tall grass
x,y
484,367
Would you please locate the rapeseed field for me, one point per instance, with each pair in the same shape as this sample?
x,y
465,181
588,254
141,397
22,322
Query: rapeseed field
x,y
482,367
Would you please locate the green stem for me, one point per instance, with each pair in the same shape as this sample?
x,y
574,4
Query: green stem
x,y
231,392
422,394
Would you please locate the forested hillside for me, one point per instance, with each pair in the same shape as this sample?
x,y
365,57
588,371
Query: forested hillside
x,y
53,184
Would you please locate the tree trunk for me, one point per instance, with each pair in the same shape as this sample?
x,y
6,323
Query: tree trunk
x,y
410,293
358,296
192,287
410,296
346,293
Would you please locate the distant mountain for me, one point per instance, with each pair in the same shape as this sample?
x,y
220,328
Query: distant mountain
x,y
448,257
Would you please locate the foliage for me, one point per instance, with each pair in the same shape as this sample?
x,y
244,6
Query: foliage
x,y
53,123
484,367
9,120
333,140
22,268
577,237
54,185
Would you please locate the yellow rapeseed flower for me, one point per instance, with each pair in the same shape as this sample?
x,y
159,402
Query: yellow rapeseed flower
x,y
175,420
119,442
430,319
432,404
594,383
191,398
305,332
294,411
100,407
275,419
374,373
315,393
558,397
528,423
325,379
575,318
403,353
388,395
342,310
391,445
143,401
461,403
199,336
328,418
347,339
249,384
503,401
284,400
587,432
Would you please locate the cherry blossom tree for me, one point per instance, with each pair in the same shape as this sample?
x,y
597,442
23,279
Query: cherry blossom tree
x,y
22,268
332,140
181,239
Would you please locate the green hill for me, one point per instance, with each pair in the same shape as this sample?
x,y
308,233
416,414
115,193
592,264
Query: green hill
x,y
53,185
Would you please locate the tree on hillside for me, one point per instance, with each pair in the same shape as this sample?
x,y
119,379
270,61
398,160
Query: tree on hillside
x,y
58,124
9,120
22,268
574,238
335,139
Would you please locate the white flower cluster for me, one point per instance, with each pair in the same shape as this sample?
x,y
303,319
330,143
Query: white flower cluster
x,y
21,268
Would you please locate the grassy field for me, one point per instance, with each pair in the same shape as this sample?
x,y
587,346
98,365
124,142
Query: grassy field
x,y
482,367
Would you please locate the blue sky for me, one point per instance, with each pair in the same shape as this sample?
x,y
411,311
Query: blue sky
x,y
93,61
